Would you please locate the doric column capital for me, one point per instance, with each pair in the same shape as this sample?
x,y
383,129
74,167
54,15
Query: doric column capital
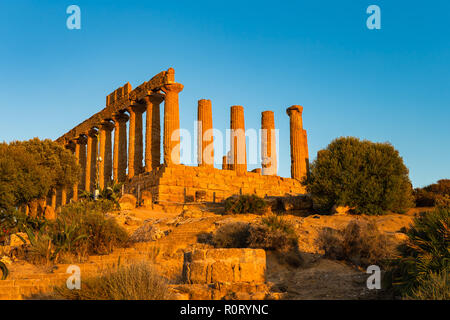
x,y
136,108
120,117
154,98
82,139
107,125
92,133
70,145
294,108
172,87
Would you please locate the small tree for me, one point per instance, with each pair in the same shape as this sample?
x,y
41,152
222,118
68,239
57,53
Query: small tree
x,y
369,177
30,169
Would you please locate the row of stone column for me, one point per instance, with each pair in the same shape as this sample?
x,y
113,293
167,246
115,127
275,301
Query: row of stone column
x,y
98,157
236,157
94,149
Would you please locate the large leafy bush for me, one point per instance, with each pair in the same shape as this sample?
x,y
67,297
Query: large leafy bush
x,y
369,177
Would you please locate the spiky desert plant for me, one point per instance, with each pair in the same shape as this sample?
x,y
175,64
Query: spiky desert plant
x,y
426,252
4,270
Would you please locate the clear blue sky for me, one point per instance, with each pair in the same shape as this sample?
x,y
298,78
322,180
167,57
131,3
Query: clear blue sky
x,y
390,85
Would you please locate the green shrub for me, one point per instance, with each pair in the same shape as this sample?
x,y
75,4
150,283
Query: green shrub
x,y
29,170
81,229
425,255
232,235
272,234
245,204
359,243
138,281
436,286
101,233
370,177
437,194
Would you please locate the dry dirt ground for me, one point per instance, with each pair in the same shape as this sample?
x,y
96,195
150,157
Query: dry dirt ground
x,y
318,278
172,233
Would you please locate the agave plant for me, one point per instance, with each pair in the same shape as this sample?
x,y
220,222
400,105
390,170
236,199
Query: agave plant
x,y
68,235
41,245
112,193
4,270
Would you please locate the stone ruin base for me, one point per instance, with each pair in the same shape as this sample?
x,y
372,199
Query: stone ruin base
x,y
224,291
180,184
224,274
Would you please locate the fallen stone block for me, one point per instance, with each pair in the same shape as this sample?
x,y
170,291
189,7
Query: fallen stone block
x,y
224,265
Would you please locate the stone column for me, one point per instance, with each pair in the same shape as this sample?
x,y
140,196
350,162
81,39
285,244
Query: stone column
x,y
299,144
238,146
120,147
152,131
229,166
268,144
105,170
205,145
80,155
53,199
135,146
91,160
171,120
224,163
63,196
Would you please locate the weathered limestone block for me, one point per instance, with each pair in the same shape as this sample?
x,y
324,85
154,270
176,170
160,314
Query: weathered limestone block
x,y
224,265
200,195
127,202
49,213
299,144
302,202
237,137
205,134
340,210
15,239
268,144
146,199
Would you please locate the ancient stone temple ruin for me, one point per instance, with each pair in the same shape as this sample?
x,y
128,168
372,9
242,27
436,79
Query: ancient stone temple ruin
x,y
127,160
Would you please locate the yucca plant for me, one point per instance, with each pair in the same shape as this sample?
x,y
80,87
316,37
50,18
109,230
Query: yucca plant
x,y
41,246
426,252
67,235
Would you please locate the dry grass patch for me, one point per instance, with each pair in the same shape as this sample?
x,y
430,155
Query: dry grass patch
x,y
360,243
138,281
